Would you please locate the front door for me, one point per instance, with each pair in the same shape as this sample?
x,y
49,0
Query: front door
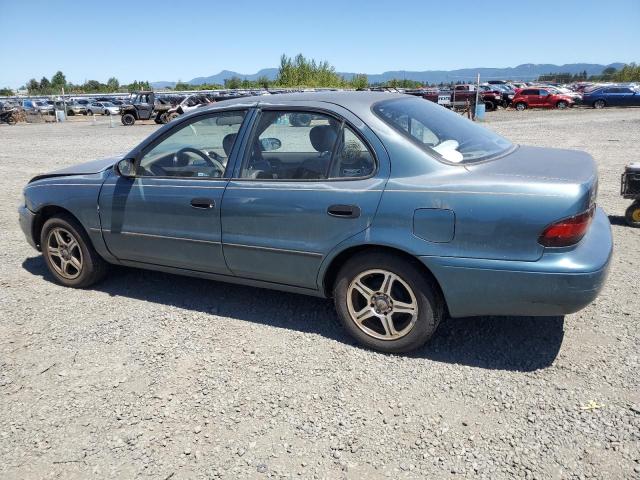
x,y
169,214
308,181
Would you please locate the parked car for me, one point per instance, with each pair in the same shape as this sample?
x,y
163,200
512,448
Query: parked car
x,y
103,108
507,93
612,96
540,98
576,96
43,107
398,209
74,108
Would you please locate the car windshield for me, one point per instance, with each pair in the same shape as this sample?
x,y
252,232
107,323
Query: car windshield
x,y
446,135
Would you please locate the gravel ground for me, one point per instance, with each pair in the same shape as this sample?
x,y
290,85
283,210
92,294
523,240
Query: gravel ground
x,y
157,376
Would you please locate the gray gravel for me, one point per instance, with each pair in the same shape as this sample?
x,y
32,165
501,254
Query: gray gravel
x,y
152,375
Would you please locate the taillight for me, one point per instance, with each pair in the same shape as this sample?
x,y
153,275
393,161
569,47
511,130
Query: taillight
x,y
567,231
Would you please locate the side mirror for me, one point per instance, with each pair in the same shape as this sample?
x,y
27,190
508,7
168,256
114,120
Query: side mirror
x,y
126,167
270,144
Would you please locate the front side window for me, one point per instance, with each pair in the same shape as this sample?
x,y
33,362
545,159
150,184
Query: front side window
x,y
305,146
199,149
441,132
543,93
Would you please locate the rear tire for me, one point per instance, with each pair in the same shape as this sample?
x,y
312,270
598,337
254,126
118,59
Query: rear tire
x,y
386,302
128,119
172,116
632,215
490,106
69,254
520,106
561,105
599,104
89,112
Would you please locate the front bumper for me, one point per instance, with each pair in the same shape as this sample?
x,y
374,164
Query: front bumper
x,y
562,281
27,218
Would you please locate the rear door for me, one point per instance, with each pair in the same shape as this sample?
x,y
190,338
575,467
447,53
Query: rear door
x,y
309,179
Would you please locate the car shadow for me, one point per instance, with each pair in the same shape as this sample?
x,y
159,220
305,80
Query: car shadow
x,y
618,220
497,343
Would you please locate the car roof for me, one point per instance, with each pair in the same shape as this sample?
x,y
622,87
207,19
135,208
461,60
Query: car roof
x,y
355,101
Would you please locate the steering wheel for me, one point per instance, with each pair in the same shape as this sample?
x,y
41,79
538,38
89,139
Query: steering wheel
x,y
212,162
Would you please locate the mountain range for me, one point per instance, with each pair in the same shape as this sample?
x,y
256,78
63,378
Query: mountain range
x,y
524,72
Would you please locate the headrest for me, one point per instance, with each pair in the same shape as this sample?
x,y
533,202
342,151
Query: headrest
x,y
323,137
227,143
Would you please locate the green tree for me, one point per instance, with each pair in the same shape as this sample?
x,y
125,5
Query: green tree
x,y
6,92
113,85
45,85
359,80
33,86
263,81
58,81
233,82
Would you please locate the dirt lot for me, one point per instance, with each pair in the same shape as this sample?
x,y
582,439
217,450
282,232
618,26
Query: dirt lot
x,y
151,375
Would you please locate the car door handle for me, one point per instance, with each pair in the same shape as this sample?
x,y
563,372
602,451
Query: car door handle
x,y
204,203
344,211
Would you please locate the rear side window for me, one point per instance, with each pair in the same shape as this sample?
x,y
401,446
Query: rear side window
x,y
442,133
295,145
529,92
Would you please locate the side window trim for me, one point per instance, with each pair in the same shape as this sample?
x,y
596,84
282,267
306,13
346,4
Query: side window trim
x,y
176,128
251,129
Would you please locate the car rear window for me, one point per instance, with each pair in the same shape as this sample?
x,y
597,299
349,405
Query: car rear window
x,y
444,134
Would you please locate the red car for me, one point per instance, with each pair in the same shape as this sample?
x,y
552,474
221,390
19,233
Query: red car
x,y
540,98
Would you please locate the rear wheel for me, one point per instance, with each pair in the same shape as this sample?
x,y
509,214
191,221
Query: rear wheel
x,y
69,254
11,120
520,106
172,116
387,303
89,112
599,104
128,119
632,215
490,106
562,105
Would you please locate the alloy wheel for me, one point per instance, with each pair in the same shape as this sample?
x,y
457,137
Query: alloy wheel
x,y
64,252
382,304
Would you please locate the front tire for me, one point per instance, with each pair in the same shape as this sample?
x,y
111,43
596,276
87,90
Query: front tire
x,y
520,106
89,112
128,119
599,104
69,254
632,215
387,303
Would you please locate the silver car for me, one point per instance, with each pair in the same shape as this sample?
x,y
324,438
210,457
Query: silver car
x,y
103,108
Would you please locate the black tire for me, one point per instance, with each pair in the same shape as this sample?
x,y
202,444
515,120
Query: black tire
x,y
599,104
85,113
11,120
561,105
89,112
128,119
632,215
171,116
490,106
430,305
93,269
520,106
70,113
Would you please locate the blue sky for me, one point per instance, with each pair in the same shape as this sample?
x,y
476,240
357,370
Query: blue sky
x,y
173,40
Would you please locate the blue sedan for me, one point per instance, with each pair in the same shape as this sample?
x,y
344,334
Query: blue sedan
x,y
612,96
398,209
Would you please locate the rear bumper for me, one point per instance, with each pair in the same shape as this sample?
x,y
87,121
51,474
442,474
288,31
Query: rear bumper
x,y
562,281
26,218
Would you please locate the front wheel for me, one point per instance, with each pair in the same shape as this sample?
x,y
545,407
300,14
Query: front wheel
x,y
632,215
128,119
599,104
387,303
69,254
520,106
89,112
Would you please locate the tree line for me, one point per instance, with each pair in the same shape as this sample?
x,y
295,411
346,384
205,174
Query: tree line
x,y
628,73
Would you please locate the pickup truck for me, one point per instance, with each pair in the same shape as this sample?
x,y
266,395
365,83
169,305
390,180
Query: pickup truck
x,y
463,95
